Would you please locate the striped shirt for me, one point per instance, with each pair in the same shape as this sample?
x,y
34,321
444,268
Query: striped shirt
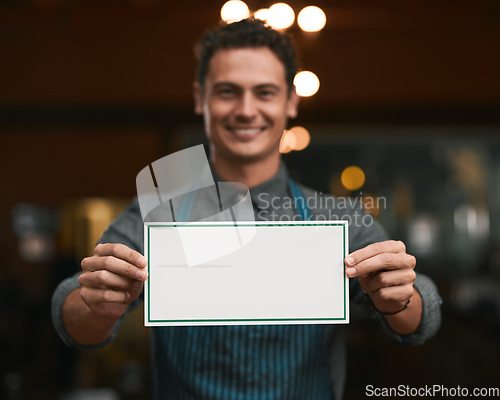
x,y
254,362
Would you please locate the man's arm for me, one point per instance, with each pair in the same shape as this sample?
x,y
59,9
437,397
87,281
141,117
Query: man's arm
x,y
386,273
83,325
111,279
408,320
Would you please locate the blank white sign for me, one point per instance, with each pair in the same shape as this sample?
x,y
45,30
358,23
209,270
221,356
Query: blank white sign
x,y
219,273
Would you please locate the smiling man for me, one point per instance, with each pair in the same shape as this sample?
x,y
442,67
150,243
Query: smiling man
x,y
245,101
245,93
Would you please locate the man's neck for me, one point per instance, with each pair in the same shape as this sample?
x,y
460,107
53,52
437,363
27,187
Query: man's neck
x,y
249,173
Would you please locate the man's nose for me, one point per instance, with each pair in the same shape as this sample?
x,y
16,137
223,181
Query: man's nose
x,y
247,107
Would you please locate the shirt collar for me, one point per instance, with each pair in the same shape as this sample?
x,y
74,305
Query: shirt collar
x,y
277,186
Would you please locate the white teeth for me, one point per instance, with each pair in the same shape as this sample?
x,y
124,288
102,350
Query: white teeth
x,y
248,132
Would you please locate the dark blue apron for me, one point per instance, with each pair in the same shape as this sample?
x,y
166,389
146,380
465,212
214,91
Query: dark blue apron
x,y
265,362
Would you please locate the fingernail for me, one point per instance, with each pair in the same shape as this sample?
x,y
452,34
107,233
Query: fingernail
x,y
143,262
351,271
349,260
142,275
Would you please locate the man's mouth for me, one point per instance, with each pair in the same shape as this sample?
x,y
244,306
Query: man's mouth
x,y
246,133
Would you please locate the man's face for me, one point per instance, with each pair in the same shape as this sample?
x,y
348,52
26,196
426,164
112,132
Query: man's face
x,y
245,103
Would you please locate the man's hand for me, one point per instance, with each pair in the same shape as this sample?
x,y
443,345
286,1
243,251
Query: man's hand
x,y
386,273
112,279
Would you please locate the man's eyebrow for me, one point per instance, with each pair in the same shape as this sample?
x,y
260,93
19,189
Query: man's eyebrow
x,y
258,87
268,86
230,84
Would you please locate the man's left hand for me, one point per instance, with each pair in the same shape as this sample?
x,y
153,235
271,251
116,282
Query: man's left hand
x,y
385,272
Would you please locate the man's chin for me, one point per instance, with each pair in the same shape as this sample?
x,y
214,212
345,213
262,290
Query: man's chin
x,y
247,156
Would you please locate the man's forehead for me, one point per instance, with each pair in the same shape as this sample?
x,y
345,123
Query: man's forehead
x,y
258,65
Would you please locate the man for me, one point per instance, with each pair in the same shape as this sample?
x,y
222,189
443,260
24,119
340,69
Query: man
x,y
245,93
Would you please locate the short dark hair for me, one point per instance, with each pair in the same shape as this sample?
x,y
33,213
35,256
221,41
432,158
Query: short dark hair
x,y
248,33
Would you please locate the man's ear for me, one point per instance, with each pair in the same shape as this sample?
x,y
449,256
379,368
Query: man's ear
x,y
293,104
197,94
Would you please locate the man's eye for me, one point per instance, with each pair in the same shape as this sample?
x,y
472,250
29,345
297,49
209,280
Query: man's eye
x,y
226,92
266,93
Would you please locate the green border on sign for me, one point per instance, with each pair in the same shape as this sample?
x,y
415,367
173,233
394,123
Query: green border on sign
x,y
174,225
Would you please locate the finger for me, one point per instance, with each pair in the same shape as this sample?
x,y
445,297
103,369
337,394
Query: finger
x,y
122,252
399,294
93,297
384,261
115,265
389,246
105,278
384,279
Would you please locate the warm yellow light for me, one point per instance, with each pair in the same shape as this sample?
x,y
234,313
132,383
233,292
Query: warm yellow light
x,y
262,14
234,11
288,142
306,83
302,137
281,16
297,138
311,19
353,178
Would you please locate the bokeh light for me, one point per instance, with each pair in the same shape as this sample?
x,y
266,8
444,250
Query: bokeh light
x,y
262,14
306,83
353,178
311,19
281,16
288,142
296,138
302,137
234,11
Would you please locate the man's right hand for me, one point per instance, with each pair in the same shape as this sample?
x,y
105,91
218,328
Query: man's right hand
x,y
112,279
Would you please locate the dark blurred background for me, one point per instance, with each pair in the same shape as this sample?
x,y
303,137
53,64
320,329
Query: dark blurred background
x,y
93,91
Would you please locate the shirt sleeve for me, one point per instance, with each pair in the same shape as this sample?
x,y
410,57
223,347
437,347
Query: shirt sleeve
x,y
431,315
365,230
431,301
126,229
